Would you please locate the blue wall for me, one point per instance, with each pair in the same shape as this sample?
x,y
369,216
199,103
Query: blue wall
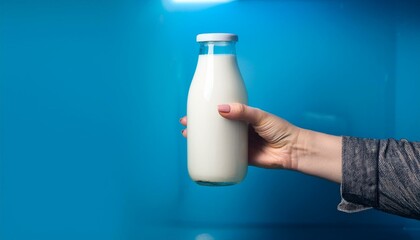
x,y
91,93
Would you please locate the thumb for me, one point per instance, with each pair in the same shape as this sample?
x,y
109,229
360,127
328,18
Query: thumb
x,y
242,112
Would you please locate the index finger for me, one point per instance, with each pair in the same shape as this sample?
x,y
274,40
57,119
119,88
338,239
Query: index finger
x,y
183,120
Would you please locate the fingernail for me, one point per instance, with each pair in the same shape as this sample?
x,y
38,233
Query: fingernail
x,y
180,119
224,108
182,131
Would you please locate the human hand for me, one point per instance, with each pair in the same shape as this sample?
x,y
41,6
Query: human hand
x,y
272,141
275,143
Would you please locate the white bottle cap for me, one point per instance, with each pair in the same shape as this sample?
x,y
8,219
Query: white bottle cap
x,y
217,37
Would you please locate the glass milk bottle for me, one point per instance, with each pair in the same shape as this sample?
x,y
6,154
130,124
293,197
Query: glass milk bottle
x,y
217,147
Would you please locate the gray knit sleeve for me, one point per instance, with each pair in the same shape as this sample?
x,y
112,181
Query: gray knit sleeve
x,y
383,174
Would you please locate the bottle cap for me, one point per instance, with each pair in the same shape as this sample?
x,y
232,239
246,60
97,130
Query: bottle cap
x,y
217,37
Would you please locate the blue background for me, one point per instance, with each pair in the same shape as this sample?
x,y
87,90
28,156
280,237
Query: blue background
x,y
91,93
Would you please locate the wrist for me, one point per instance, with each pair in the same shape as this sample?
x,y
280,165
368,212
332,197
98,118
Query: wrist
x,y
318,154
301,151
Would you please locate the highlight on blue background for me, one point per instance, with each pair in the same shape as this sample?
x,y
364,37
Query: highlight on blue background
x,y
91,93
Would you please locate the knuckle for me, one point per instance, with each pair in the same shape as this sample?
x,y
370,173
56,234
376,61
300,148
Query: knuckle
x,y
241,108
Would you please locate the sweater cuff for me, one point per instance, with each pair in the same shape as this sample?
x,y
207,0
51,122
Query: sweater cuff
x,y
360,172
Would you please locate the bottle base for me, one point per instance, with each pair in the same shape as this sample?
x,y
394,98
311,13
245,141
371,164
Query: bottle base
x,y
215,184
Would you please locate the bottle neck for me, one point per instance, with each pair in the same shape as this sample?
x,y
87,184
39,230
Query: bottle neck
x,y
207,48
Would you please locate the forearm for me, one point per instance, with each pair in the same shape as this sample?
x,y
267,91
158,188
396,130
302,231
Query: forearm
x,y
319,154
383,174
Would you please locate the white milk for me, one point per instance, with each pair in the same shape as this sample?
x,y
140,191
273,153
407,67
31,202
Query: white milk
x,y
217,147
